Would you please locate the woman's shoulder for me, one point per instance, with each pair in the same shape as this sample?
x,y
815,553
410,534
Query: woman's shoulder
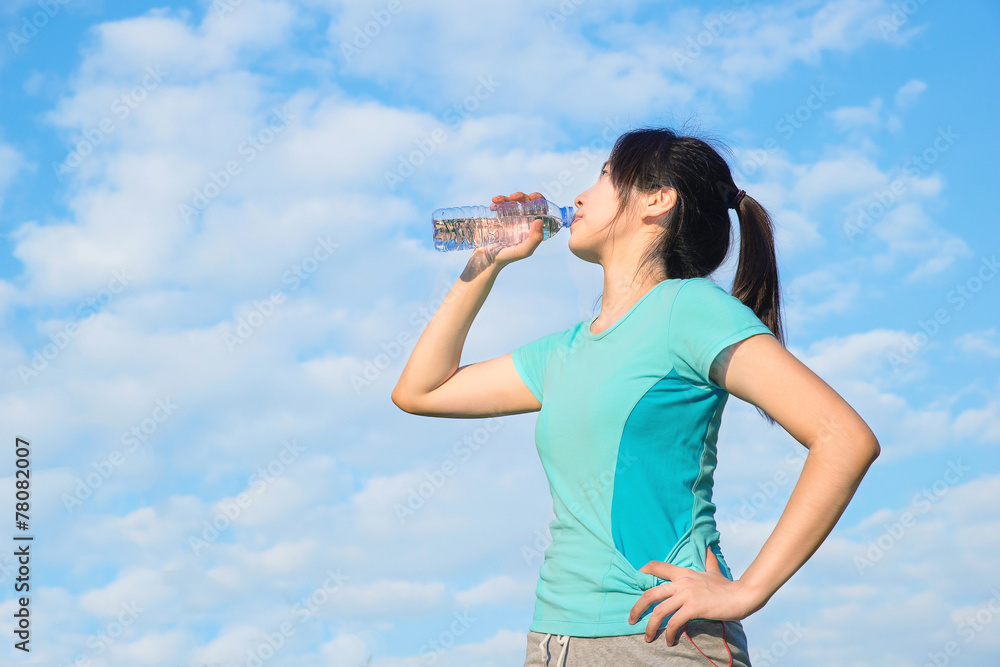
x,y
692,290
699,290
702,283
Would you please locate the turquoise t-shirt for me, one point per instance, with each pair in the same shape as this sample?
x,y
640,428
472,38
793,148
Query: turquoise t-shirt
x,y
626,435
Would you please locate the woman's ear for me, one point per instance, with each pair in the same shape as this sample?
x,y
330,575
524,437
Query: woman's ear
x,y
660,202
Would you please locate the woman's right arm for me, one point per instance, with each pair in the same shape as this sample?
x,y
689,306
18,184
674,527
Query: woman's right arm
x,y
432,383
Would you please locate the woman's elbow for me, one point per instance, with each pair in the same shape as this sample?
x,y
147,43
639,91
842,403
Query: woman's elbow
x,y
865,450
401,401
869,442
865,444
876,450
859,446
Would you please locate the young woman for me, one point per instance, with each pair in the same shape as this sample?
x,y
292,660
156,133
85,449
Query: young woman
x,y
630,404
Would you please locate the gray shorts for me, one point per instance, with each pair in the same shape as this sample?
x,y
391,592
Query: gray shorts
x,y
702,643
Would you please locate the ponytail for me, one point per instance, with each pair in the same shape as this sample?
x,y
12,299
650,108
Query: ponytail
x,y
756,282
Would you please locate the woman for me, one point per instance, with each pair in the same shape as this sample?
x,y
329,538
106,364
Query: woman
x,y
630,405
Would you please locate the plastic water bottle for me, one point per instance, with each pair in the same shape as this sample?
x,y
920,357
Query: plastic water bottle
x,y
506,223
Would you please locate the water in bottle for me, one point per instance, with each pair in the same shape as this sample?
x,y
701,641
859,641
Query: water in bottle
x,y
505,223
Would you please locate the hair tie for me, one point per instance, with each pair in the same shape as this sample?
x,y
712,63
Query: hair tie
x,y
737,199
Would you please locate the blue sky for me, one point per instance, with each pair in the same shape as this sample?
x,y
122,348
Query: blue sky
x,y
208,303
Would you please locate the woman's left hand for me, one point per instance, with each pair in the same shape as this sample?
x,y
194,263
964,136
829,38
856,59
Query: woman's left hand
x,y
691,594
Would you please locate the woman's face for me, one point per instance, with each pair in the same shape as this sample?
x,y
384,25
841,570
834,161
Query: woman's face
x,y
595,209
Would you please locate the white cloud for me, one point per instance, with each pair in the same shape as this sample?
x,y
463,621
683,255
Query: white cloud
x,y
980,424
347,650
11,163
494,589
645,62
283,557
232,644
849,118
860,202
215,44
826,292
863,121
979,344
153,648
387,505
387,597
909,92
144,587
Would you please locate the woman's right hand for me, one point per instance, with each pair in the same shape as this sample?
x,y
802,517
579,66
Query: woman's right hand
x,y
507,254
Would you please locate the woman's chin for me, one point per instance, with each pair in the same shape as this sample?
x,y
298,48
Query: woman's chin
x,y
582,253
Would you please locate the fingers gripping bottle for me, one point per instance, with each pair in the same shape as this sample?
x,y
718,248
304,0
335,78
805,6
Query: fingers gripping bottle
x,y
506,223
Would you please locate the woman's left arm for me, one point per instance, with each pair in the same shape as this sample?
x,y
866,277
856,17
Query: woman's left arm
x,y
841,447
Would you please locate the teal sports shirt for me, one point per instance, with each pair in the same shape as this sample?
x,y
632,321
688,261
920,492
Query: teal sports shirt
x,y
627,437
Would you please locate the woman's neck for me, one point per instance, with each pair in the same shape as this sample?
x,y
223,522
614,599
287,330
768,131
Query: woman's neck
x,y
621,292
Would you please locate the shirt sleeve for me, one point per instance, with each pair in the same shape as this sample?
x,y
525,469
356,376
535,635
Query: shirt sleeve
x,y
704,320
531,361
